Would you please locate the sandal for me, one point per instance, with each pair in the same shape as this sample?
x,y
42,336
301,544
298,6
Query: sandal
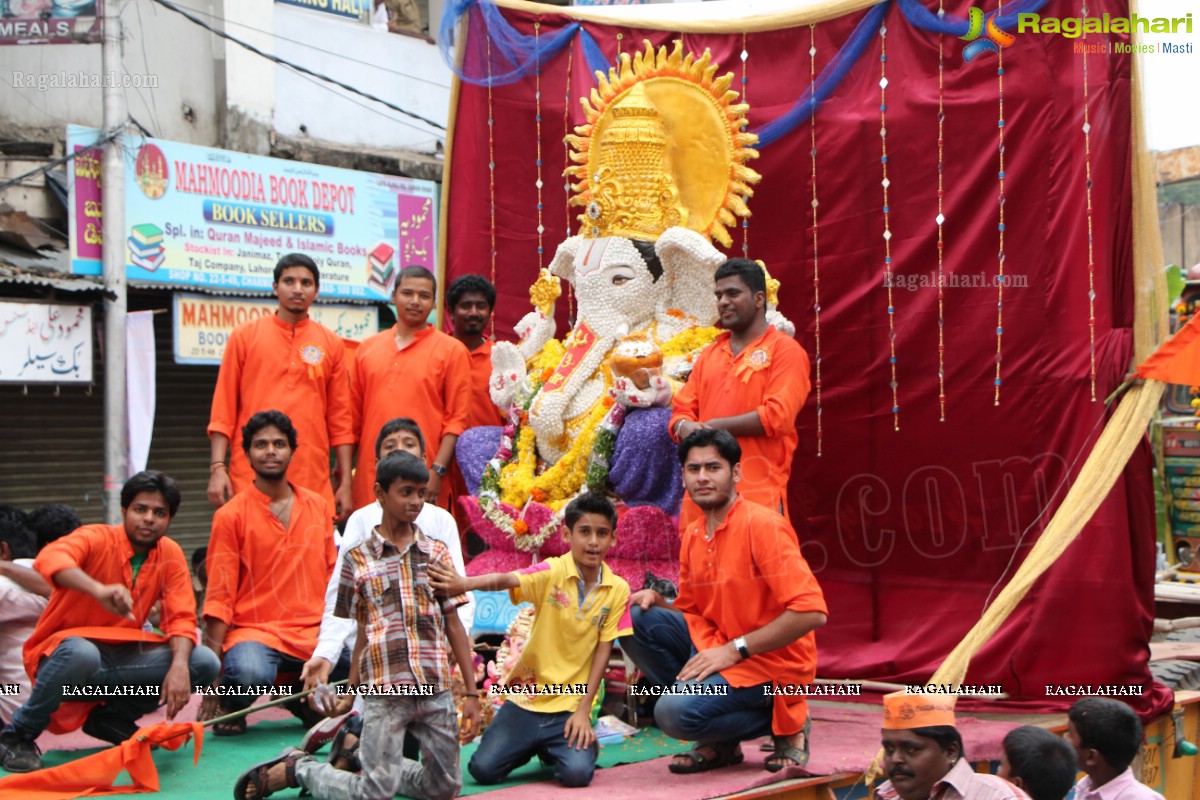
x,y
258,776
338,750
233,727
727,755
784,752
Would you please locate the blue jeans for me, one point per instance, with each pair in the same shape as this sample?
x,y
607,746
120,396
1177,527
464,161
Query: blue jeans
x,y
251,667
517,735
660,646
82,662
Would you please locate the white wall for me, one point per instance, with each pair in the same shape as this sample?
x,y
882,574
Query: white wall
x,y
406,71
159,45
249,78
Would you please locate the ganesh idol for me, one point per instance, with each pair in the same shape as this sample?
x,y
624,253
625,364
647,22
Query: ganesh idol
x,y
660,170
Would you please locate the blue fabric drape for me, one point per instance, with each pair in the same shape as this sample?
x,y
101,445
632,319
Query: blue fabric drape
x,y
514,55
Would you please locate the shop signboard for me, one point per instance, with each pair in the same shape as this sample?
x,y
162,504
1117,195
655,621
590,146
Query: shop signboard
x,y
216,219
42,343
203,323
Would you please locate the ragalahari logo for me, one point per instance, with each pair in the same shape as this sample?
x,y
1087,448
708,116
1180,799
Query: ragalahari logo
x,y
984,35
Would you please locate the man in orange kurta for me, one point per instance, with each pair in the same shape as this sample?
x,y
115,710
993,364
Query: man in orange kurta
x,y
292,363
89,640
269,558
752,381
747,608
416,371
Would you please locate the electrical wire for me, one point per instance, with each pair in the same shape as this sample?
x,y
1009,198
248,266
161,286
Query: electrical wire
x,y
56,162
371,108
152,106
298,68
311,46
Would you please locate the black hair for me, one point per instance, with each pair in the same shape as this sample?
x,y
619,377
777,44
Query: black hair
x,y
749,272
298,260
415,271
52,521
200,567
1109,727
724,441
590,503
467,284
152,481
650,256
943,736
1044,762
15,532
265,419
395,426
400,466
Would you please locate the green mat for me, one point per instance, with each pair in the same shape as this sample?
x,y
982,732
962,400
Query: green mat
x,y
224,759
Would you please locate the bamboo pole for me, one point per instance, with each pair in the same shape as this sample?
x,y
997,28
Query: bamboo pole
x,y
230,717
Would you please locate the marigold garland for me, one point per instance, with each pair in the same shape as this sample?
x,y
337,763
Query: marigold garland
x,y
511,476
688,341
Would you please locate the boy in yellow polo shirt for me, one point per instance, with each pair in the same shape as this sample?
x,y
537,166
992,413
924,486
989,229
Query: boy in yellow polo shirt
x,y
581,608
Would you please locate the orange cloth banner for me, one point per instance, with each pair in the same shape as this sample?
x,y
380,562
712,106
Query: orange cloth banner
x,y
93,776
1178,359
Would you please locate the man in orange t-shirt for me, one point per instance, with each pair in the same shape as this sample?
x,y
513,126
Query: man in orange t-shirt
x,y
291,363
416,371
470,300
743,621
90,639
752,381
270,555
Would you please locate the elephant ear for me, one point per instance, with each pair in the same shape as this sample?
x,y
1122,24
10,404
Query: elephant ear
x,y
689,261
563,265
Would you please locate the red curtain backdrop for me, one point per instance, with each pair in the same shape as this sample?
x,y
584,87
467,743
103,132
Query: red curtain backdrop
x,y
910,531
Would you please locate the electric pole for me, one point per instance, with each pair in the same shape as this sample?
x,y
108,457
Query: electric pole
x,y
113,203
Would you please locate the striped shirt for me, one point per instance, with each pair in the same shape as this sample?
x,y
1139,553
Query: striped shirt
x,y
387,589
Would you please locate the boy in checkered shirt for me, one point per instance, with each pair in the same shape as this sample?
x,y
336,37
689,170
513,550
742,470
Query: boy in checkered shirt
x,y
401,661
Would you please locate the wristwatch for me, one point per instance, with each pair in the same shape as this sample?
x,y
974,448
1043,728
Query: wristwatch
x,y
440,470
740,645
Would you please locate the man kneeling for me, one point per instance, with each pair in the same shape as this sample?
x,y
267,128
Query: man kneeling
x,y
89,641
749,607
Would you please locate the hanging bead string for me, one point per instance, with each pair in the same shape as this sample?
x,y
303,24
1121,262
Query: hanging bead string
x,y
1000,254
941,218
537,117
620,36
812,138
491,126
1087,151
745,220
566,164
887,230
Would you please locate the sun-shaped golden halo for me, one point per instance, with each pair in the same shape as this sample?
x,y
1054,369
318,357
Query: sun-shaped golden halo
x,y
700,114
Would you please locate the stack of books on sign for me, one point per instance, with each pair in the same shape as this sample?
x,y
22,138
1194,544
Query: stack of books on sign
x,y
379,266
145,247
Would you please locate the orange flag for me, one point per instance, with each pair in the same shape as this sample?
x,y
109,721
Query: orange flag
x,y
93,776
1177,360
